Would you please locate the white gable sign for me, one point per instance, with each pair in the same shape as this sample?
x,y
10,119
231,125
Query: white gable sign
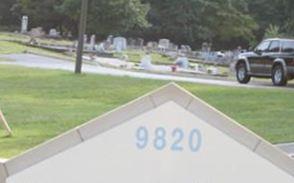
x,y
168,136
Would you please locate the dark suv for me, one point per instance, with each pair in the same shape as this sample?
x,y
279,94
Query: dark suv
x,y
272,58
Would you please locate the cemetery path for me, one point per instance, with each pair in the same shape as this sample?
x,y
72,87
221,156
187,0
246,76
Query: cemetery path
x,y
35,61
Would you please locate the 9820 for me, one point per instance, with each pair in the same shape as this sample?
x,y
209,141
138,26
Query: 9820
x,y
175,140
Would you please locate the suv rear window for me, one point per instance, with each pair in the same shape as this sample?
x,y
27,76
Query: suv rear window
x,y
288,46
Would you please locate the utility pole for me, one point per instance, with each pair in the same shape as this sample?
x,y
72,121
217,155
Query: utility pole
x,y
82,30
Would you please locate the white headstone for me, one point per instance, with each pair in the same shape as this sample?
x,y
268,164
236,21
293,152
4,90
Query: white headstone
x,y
24,24
85,39
92,41
213,70
168,136
146,62
120,44
37,32
163,44
182,62
53,33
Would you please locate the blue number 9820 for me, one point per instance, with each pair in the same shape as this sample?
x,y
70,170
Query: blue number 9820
x,y
161,139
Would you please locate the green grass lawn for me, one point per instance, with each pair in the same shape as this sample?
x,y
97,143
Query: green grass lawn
x,y
41,104
26,38
136,56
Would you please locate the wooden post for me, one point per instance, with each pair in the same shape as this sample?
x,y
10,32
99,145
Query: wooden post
x,y
5,124
82,30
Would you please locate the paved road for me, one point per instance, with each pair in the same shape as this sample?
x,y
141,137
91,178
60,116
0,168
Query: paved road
x,y
34,61
287,148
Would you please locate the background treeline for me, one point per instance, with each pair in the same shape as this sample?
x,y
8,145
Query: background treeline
x,y
225,23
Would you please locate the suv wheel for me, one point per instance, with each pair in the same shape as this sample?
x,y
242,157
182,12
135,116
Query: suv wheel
x,y
278,76
242,73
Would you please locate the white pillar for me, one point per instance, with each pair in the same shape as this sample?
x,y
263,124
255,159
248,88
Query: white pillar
x,y
24,24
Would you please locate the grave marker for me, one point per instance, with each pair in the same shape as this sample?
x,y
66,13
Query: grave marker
x,y
93,41
167,136
120,44
163,44
53,33
24,24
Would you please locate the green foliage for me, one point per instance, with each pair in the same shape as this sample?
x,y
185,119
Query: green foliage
x,y
6,16
225,23
136,56
104,16
273,14
116,16
195,21
273,31
42,13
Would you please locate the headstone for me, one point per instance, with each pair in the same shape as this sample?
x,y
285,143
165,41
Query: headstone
x,y
149,44
163,44
53,33
131,43
140,43
185,49
199,68
108,42
167,136
37,32
152,45
24,24
173,47
101,48
69,35
213,70
110,39
85,39
182,62
120,44
146,62
92,42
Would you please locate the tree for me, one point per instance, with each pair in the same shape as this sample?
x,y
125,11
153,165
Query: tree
x,y
194,21
108,16
104,16
42,13
273,31
287,17
6,17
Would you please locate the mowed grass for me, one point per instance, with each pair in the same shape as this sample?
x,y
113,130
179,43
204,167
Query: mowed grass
x,y
136,56
41,104
25,38
7,47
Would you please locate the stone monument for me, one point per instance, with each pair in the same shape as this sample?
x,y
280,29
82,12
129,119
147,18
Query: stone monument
x,y
24,24
120,44
92,42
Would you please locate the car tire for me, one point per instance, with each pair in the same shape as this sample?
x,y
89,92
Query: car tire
x,y
278,76
242,73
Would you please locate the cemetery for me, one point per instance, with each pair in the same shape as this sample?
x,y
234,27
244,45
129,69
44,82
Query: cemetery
x,y
162,61
130,52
